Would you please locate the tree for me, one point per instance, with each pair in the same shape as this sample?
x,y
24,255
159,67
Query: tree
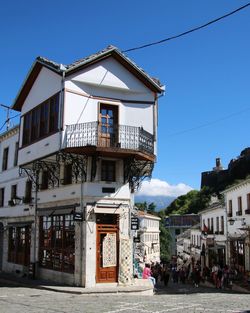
x,y
164,239
193,202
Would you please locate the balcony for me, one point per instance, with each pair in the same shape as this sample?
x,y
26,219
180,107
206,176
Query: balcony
x,y
124,140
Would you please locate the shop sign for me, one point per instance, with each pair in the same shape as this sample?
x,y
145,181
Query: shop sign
x,y
134,223
78,217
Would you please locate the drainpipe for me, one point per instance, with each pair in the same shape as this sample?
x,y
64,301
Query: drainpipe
x,y
226,229
82,232
35,226
61,106
155,113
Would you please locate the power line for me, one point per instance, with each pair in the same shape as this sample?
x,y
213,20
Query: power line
x,y
189,31
7,120
209,123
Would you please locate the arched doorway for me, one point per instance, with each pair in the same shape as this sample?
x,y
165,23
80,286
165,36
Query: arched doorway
x,y
1,245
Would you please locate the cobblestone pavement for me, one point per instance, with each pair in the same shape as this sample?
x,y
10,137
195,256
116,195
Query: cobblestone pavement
x,y
181,298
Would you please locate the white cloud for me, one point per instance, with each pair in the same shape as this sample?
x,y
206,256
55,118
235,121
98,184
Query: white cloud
x,y
157,187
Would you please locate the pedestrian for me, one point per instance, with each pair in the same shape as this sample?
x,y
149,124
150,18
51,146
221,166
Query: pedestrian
x,y
214,274
182,275
196,276
175,275
147,274
165,275
219,277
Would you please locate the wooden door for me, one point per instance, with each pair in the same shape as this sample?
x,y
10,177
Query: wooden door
x,y
107,248
108,125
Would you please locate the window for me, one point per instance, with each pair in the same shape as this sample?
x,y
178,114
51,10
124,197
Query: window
x,y
1,197
239,206
28,191
67,174
212,224
57,242
26,128
208,223
248,201
230,208
35,122
5,159
222,224
44,180
13,191
16,154
108,170
44,119
217,224
19,245
53,116
41,121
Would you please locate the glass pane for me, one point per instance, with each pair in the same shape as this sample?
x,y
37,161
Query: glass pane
x,y
110,113
103,111
104,120
104,129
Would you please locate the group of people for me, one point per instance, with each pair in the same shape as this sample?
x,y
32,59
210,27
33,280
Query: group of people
x,y
222,276
219,275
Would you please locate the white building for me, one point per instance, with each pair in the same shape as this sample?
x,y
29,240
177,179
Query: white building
x,y
237,201
15,196
213,238
148,247
87,137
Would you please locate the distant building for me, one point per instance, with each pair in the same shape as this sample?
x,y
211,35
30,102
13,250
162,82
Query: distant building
x,y
214,237
148,247
219,178
177,224
237,203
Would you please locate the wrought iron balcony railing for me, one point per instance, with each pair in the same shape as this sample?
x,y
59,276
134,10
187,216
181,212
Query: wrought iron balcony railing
x,y
121,136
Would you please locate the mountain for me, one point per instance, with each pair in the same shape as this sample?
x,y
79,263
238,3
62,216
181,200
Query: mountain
x,y
161,202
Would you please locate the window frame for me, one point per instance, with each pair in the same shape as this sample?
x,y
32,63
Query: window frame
x,y
19,244
108,170
13,192
37,122
57,242
230,208
5,159
2,191
239,201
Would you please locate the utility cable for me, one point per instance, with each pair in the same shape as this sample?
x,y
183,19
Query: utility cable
x,y
189,31
209,123
10,118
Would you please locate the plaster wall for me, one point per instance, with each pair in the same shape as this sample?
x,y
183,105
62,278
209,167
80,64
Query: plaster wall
x,y
233,194
46,85
39,149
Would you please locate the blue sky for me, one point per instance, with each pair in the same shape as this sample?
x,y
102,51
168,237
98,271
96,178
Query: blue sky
x,y
206,73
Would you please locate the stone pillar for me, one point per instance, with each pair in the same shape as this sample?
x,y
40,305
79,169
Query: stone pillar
x,y
125,262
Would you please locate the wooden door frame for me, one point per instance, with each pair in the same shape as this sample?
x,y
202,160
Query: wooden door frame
x,y
107,228
111,105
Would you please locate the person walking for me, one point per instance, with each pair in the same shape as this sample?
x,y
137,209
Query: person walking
x,y
165,275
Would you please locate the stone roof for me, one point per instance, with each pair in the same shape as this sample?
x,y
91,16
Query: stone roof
x,y
92,57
